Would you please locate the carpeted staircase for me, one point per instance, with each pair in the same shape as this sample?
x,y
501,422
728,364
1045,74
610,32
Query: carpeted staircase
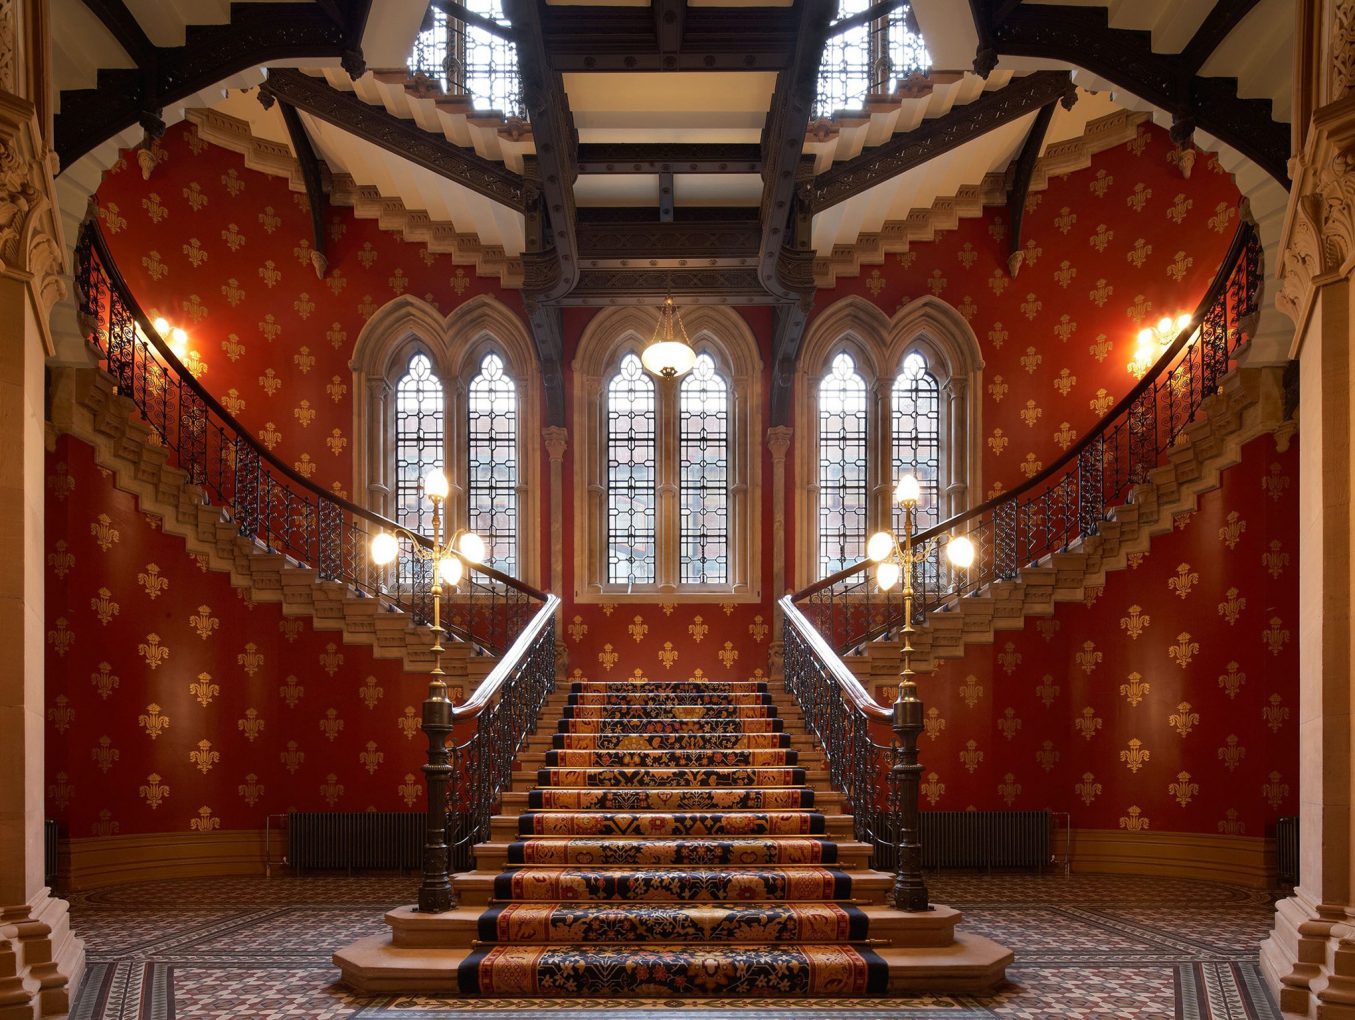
x,y
672,839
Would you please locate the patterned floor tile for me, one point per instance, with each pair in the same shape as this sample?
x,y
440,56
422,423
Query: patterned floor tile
x,y
1088,947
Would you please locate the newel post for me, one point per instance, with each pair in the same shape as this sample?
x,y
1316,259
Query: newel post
x,y
910,891
435,893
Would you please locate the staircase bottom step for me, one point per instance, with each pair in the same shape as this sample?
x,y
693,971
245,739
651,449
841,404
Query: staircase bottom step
x,y
970,965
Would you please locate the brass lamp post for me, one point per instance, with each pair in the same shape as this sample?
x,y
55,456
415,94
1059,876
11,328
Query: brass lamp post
x,y
894,562
447,554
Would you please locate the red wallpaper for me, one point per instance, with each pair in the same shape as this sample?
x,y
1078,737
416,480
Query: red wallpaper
x,y
174,704
224,251
1108,250
1167,700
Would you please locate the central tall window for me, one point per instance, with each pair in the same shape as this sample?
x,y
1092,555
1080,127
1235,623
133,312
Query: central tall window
x,y
668,499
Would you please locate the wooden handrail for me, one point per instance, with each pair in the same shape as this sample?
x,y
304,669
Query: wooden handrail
x,y
852,691
492,685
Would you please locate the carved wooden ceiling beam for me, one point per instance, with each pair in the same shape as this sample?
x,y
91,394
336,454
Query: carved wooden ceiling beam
x,y
315,190
696,238
551,261
688,286
256,34
785,254
669,157
1023,172
909,149
1082,36
404,138
669,36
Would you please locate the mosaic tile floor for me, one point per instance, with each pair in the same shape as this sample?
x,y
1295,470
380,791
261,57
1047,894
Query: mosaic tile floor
x,y
1087,948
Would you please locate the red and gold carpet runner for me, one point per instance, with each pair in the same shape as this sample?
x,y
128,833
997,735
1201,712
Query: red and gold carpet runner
x,y
672,848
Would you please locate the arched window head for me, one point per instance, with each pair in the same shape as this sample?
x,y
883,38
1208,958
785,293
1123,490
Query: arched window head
x,y
704,460
916,414
419,434
631,474
843,485
492,462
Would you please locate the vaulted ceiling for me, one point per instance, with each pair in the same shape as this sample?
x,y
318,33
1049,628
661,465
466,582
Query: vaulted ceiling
x,y
673,145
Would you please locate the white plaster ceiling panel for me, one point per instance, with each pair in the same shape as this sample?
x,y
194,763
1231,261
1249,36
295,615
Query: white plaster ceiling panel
x,y
670,107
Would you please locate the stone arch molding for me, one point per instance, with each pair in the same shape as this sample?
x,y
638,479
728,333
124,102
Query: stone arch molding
x,y
455,343
878,343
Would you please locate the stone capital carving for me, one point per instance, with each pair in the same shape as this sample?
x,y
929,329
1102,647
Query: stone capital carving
x,y
31,242
778,442
556,440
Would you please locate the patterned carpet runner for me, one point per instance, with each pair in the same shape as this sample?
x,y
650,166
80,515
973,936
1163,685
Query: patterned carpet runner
x,y
672,847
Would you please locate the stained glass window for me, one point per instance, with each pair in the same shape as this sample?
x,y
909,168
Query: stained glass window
x,y
631,474
917,437
418,441
467,59
492,462
869,59
843,491
704,466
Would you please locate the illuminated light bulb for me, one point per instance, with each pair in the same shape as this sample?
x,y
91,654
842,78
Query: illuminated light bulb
x,y
472,546
449,569
1164,326
178,342
887,575
1146,337
668,358
960,551
908,492
435,485
384,548
161,325
1182,321
879,546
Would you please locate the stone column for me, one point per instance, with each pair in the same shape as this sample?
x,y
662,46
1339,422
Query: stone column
x,y
1309,958
40,960
778,442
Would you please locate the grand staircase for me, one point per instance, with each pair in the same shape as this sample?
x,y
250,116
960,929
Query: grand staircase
x,y
672,839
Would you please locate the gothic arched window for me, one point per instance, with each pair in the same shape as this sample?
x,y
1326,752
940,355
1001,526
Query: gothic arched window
x,y
632,463
492,462
916,447
419,438
704,457
844,492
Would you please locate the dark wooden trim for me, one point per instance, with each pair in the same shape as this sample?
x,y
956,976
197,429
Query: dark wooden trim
x,y
1024,170
669,157
401,137
124,27
1081,36
667,199
670,17
871,13
256,34
310,173
687,284
1218,23
909,149
602,38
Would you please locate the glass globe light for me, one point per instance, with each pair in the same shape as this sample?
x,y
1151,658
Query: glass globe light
x,y
1182,321
435,485
472,546
960,551
1164,326
880,545
449,569
669,354
161,325
909,491
887,575
178,342
384,548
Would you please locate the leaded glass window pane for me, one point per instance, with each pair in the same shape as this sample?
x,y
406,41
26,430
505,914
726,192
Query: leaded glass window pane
x,y
492,431
418,442
870,59
465,59
631,475
917,437
842,466
704,459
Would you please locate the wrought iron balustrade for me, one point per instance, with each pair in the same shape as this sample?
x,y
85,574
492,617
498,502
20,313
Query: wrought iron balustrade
x,y
1070,499
269,502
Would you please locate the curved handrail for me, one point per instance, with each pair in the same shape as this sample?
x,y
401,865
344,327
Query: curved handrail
x,y
493,684
1244,236
851,688
269,500
1068,500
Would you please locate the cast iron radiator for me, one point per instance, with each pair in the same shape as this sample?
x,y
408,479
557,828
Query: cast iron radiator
x,y
1287,850
326,840
985,839
49,840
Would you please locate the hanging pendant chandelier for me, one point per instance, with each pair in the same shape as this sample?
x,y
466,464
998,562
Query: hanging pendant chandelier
x,y
669,353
